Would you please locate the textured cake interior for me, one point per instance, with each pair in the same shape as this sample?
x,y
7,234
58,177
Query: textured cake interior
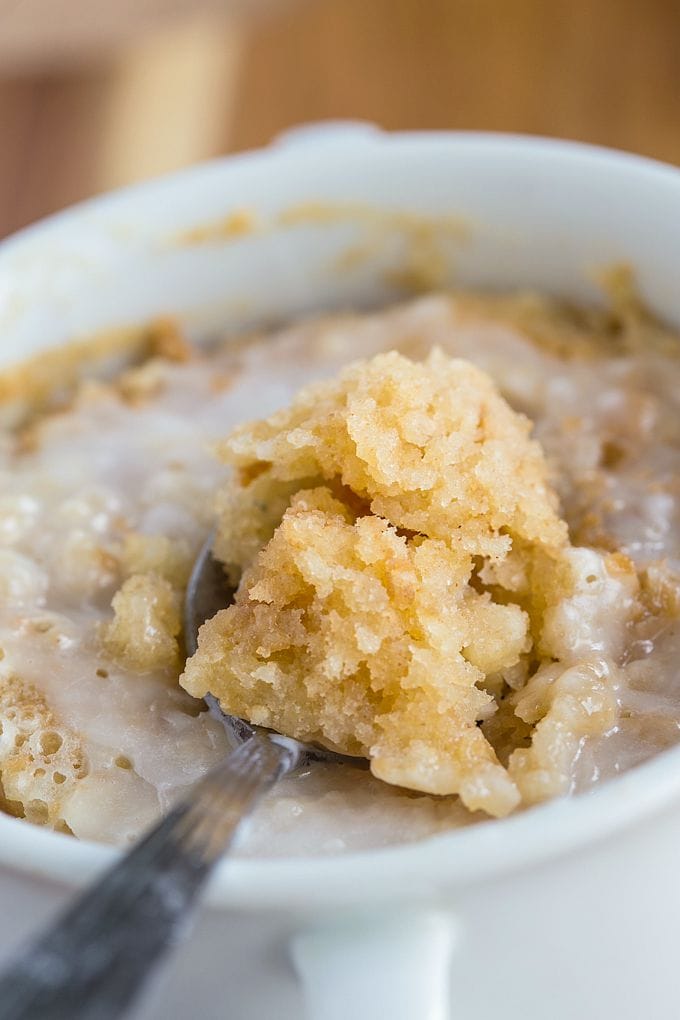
x,y
419,567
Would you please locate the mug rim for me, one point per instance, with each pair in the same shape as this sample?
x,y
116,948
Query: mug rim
x,y
411,872
444,861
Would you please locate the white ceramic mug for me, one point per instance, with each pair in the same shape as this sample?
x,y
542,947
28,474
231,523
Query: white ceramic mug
x,y
571,910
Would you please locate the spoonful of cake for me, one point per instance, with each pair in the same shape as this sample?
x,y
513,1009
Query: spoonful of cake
x,y
390,533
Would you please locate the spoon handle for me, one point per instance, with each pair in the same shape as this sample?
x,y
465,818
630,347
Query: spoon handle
x,y
94,960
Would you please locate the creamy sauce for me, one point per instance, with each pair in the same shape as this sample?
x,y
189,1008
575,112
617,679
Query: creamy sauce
x,y
87,477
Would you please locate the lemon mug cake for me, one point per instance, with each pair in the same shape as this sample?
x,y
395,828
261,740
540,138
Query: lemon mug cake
x,y
453,530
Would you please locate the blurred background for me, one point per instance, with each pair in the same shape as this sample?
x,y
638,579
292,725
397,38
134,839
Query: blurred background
x,y
95,95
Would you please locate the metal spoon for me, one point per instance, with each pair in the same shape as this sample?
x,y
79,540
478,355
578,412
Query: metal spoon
x,y
99,954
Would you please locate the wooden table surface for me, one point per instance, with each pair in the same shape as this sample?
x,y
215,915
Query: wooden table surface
x,y
605,71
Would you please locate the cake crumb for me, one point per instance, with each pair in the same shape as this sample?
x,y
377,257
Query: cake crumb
x,y
146,623
41,760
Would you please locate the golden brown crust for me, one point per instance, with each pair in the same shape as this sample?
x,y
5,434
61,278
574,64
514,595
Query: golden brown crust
x,y
50,378
40,759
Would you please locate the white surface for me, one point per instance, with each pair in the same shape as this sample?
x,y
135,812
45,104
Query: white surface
x,y
571,910
410,960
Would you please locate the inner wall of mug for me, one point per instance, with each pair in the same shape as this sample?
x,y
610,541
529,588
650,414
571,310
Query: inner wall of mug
x,y
271,234
350,219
